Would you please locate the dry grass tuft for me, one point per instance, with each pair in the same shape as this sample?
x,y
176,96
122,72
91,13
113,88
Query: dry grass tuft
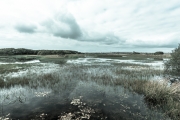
x,y
159,95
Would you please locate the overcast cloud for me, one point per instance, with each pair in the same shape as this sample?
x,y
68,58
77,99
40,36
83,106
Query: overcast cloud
x,y
91,25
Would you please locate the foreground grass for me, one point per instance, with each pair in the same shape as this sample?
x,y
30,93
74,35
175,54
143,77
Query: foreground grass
x,y
158,95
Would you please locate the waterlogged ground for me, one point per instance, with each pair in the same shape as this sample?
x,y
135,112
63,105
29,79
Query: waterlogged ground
x,y
86,88
104,61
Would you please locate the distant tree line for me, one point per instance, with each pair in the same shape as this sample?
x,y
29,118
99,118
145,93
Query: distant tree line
x,y
159,53
23,51
156,53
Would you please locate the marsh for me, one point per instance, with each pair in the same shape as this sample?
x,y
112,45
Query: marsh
x,y
105,88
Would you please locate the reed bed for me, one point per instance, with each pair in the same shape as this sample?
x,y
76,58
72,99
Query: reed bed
x,y
157,94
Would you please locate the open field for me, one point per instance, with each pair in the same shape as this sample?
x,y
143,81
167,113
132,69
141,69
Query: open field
x,y
87,86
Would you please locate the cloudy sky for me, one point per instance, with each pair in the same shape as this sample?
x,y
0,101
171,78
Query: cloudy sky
x,y
90,25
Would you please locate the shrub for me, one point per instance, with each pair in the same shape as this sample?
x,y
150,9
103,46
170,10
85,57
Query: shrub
x,y
159,53
136,52
172,66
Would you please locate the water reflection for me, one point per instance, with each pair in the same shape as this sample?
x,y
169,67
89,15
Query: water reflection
x,y
68,92
82,100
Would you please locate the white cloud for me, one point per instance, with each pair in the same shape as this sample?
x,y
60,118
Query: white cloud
x,y
93,25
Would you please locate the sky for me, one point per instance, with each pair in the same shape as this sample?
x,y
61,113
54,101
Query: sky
x,y
91,25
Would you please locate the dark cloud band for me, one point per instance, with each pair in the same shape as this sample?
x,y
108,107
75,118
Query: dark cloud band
x,y
25,28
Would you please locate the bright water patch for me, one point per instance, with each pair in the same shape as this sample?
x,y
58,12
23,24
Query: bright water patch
x,y
140,65
28,62
37,68
104,61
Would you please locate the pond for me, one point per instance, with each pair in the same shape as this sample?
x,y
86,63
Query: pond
x,y
81,89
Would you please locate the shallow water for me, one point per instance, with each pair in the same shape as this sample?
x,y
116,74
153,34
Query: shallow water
x,y
71,93
36,68
96,101
104,61
28,62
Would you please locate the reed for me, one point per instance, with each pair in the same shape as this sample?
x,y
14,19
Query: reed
x,y
132,77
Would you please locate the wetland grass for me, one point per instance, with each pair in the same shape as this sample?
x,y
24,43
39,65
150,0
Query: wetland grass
x,y
9,68
159,95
